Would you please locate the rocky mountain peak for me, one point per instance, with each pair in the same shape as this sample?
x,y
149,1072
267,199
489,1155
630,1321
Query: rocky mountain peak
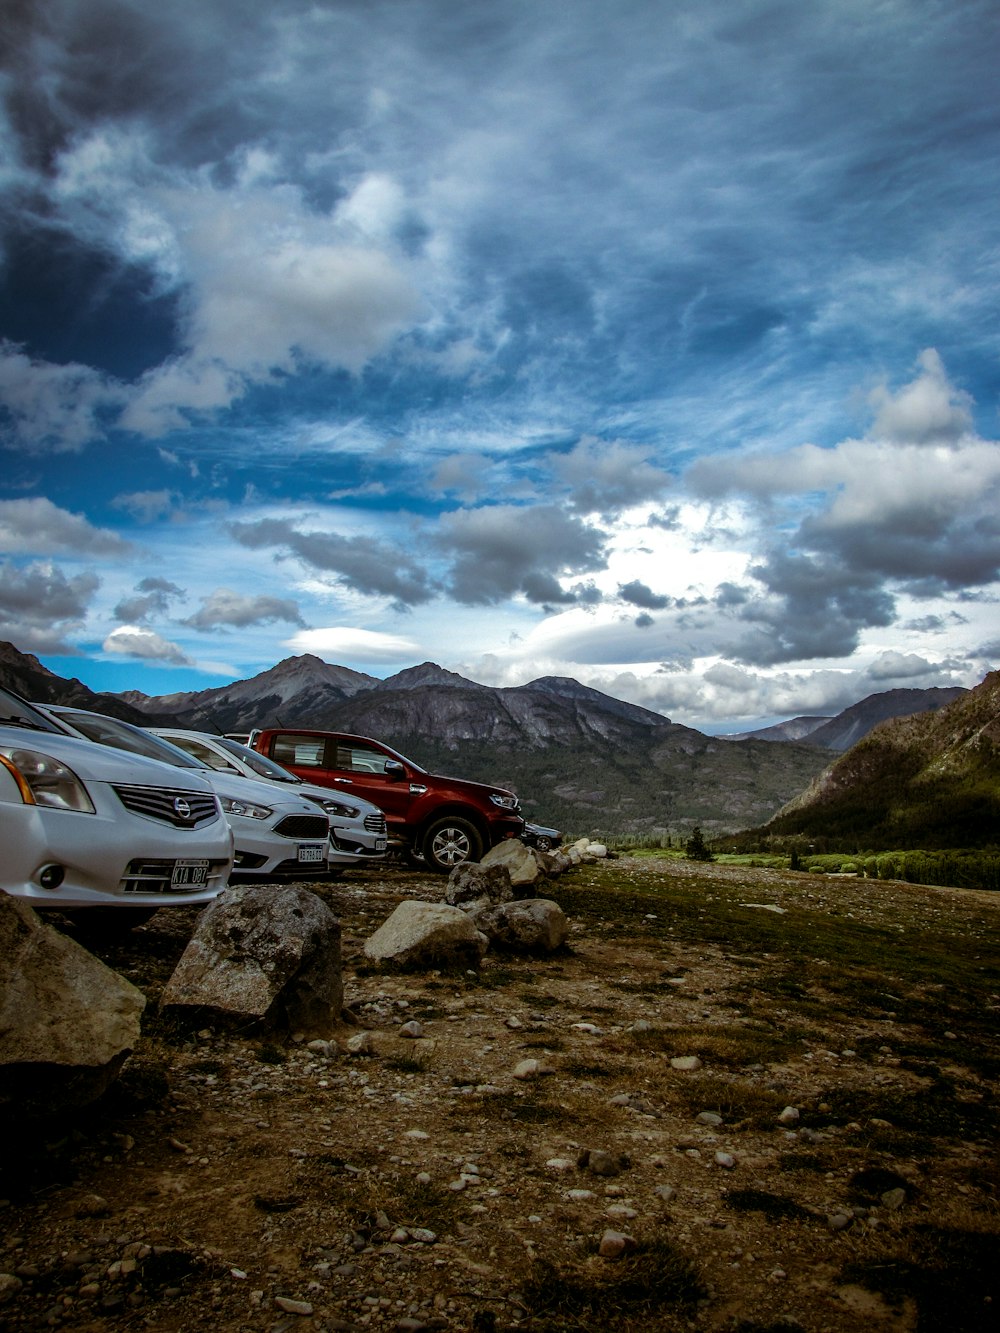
x,y
427,673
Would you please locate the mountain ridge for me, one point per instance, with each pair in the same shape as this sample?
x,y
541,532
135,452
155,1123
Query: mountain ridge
x,y
929,779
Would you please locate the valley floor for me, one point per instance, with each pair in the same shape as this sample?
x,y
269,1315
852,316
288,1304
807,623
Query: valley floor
x,y
769,1097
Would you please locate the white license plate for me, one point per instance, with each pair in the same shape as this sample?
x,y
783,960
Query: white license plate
x,y
311,852
189,875
380,844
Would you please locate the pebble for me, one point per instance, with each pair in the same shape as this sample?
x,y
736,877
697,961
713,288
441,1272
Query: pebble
x,y
293,1307
789,1116
529,1069
412,1029
725,1159
709,1118
615,1244
685,1063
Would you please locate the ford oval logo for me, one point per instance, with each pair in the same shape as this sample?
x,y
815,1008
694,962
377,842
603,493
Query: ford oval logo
x,y
181,808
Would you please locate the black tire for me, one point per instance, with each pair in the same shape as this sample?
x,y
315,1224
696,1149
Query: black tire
x,y
450,842
543,843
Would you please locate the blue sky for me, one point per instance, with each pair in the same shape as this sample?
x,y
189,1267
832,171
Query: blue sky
x,y
651,344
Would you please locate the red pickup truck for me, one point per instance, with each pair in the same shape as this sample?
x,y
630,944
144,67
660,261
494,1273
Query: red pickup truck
x,y
444,821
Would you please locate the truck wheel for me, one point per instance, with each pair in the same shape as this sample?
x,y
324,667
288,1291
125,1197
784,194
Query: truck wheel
x,y
450,842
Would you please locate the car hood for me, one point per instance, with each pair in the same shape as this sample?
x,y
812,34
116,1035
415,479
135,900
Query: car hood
x,y
483,789
346,797
273,794
103,763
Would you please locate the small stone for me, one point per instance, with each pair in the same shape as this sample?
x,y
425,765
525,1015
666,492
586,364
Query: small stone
x,y
789,1116
615,1244
600,1163
529,1069
293,1307
894,1199
360,1043
412,1029
685,1063
560,1164
10,1285
709,1118
725,1159
579,1196
664,1192
424,1235
840,1220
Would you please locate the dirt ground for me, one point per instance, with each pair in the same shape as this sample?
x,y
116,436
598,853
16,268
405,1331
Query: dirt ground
x,y
760,1101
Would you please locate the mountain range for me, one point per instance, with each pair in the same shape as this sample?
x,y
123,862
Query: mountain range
x,y
930,780
579,759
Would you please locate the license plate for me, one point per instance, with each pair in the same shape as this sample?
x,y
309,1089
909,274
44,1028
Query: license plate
x,y
189,875
380,844
311,852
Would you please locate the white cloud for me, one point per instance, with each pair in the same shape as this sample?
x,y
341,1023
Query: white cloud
x,y
145,645
343,643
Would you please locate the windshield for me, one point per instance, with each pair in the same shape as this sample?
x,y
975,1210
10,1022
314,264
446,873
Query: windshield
x,y
261,765
123,736
17,712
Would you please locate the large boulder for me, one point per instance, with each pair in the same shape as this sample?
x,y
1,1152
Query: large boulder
x,y
526,925
420,934
263,955
522,863
473,885
67,1022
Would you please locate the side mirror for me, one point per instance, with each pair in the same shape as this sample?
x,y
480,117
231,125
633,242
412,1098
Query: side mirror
x,y
394,770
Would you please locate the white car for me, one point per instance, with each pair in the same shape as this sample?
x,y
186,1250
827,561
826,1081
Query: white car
x,y
85,827
275,832
357,828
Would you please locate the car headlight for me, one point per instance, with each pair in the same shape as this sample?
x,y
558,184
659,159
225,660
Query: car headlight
x,y
43,780
231,806
340,811
505,802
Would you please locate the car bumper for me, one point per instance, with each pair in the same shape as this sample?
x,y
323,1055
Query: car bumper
x,y
109,861
262,850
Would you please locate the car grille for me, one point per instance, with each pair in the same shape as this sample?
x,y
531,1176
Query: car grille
x,y
153,876
304,826
183,809
375,823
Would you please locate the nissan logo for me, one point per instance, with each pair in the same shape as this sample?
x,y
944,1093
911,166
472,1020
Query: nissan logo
x,y
181,808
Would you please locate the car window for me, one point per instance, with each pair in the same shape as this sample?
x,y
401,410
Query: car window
x,y
360,758
123,736
259,763
209,757
302,751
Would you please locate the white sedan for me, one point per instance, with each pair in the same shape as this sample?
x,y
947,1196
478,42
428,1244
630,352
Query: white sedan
x,y
276,832
85,827
357,828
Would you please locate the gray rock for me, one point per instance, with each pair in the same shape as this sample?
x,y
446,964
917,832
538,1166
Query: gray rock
x,y
526,925
419,934
472,884
67,1022
615,1244
521,862
263,954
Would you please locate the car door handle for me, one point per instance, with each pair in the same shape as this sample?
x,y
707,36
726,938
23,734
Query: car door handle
x,y
348,782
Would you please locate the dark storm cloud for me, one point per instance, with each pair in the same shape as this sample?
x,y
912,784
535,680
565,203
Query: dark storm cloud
x,y
223,608
152,598
40,606
638,594
363,563
503,550
813,610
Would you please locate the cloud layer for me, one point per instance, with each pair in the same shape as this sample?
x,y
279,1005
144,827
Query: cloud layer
x,y
653,345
